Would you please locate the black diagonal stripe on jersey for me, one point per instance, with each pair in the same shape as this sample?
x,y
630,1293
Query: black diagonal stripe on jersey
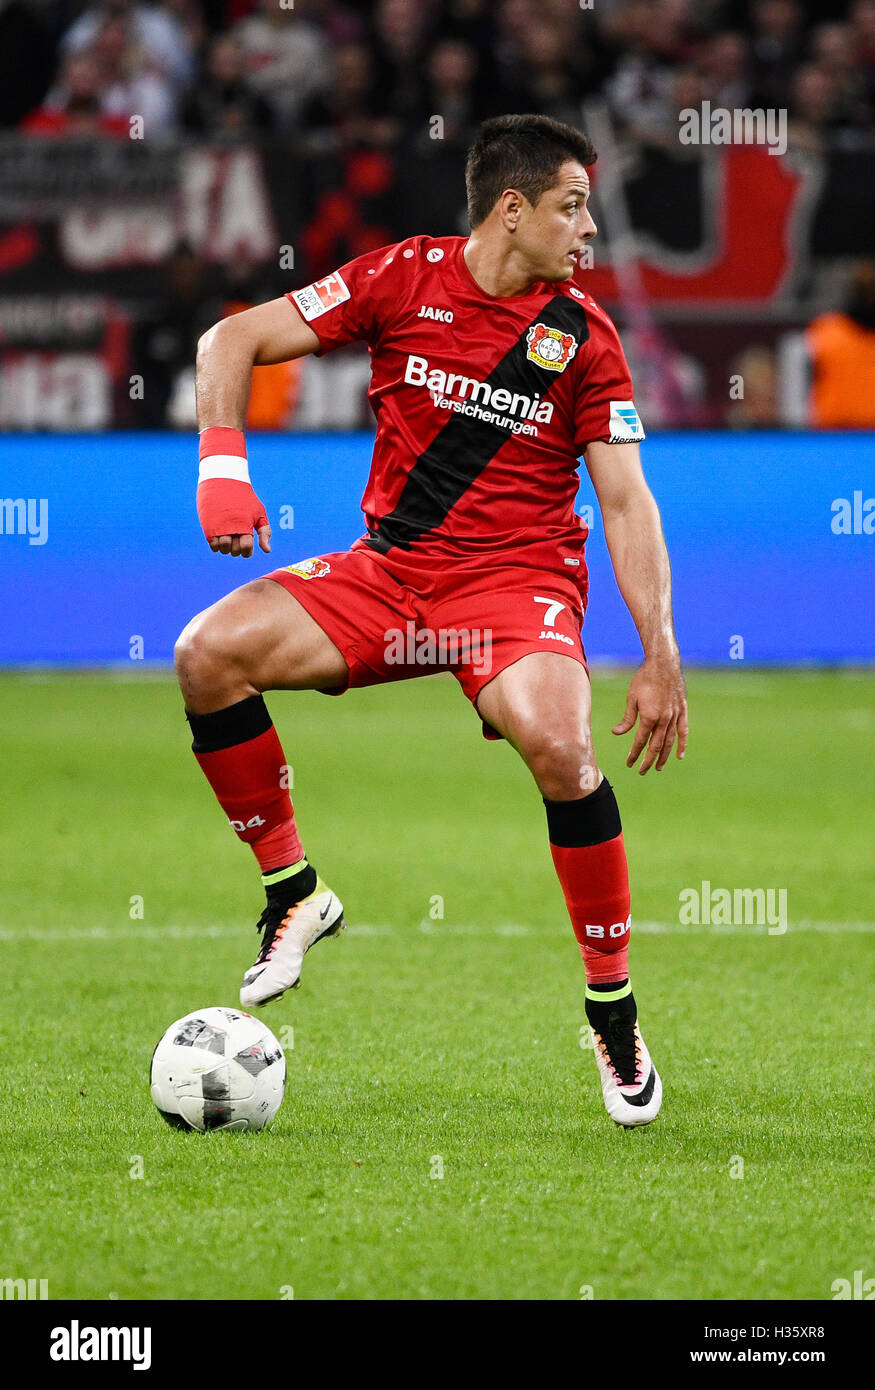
x,y
461,450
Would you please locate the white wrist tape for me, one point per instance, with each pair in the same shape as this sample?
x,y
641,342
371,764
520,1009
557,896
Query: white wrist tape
x,y
224,466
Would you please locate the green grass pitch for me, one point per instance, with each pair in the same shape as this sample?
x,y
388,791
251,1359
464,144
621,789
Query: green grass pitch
x,y
427,1044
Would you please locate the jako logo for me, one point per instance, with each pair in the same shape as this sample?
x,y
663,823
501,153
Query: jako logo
x,y
441,315
25,517
75,1343
24,1288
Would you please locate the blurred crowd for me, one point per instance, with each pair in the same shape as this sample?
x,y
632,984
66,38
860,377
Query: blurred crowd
x,y
335,73
379,98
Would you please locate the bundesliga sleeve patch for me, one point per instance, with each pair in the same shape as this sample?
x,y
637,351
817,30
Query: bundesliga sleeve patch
x,y
625,423
316,299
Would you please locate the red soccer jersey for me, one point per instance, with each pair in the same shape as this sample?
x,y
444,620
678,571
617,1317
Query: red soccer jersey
x,y
483,404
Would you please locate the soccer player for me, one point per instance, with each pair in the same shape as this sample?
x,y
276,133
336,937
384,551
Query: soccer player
x,y
493,371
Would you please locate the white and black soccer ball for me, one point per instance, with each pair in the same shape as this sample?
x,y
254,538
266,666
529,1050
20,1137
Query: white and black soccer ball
x,y
218,1069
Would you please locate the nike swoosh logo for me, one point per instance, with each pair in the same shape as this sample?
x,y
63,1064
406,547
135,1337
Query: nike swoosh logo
x,y
644,1096
250,978
323,915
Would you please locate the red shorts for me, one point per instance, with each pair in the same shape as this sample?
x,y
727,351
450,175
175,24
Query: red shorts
x,y
394,620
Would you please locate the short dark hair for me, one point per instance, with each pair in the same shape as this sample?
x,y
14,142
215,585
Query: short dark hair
x,y
522,152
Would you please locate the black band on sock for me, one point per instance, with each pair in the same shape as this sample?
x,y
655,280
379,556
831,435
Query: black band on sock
x,y
291,890
600,1014
227,727
590,820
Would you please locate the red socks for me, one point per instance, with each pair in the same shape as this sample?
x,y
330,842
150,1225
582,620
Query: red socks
x,y
586,841
242,759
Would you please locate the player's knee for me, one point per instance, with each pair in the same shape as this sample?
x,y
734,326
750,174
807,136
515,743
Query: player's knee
x,y
199,652
562,764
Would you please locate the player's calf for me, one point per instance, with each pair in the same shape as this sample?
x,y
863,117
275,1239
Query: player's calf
x,y
220,657
586,842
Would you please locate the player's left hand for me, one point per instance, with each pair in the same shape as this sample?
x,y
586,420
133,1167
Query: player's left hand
x,y
657,698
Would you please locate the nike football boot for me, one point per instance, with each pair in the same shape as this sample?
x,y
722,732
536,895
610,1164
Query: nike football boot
x,y
287,935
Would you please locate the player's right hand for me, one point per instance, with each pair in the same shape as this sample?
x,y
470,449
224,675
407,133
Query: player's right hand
x,y
229,512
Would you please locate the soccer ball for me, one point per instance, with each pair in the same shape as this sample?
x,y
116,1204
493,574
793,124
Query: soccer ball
x,y
218,1069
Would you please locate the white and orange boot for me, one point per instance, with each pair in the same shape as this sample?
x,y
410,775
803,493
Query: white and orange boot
x,y
631,1085
287,935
